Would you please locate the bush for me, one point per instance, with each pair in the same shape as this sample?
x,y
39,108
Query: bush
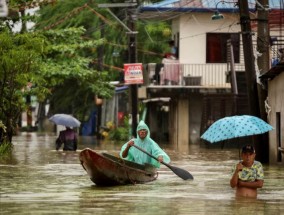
x,y
5,148
116,133
119,133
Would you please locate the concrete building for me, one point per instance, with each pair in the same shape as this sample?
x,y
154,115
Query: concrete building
x,y
207,81
275,110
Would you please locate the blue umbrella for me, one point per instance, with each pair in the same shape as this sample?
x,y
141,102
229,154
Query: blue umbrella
x,y
65,119
235,126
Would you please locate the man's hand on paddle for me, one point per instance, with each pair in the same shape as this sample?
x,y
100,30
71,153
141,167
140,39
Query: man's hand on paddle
x,y
160,159
130,143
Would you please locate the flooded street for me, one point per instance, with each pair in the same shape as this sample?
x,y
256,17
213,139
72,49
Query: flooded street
x,y
37,179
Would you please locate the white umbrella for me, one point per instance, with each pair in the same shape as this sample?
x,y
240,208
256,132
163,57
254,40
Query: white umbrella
x,y
65,119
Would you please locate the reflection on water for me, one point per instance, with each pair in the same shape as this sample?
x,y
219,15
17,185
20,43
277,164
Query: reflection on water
x,y
39,180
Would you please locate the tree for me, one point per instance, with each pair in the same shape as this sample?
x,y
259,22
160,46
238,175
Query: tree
x,y
152,37
111,50
55,60
68,74
20,58
71,63
40,62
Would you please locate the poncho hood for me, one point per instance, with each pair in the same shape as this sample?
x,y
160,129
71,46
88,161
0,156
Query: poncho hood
x,y
142,125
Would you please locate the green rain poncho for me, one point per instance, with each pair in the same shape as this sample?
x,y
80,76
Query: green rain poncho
x,y
149,145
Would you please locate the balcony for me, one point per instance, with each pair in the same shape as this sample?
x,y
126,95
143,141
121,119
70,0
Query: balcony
x,y
277,50
174,74
207,76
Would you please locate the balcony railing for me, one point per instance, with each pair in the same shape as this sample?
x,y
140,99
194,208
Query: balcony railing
x,y
213,75
277,50
203,75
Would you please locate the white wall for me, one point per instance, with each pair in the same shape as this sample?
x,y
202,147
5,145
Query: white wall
x,y
193,28
276,104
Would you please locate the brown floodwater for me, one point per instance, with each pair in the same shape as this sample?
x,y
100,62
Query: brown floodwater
x,y
37,179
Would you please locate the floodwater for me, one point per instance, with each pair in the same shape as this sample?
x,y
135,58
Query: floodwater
x,y
39,180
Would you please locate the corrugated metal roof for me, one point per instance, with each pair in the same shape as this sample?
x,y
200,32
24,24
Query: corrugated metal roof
x,y
273,72
202,5
169,9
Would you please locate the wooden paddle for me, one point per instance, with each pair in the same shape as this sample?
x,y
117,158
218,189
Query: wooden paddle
x,y
185,175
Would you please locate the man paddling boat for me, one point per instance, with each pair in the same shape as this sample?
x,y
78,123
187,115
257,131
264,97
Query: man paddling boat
x,y
143,141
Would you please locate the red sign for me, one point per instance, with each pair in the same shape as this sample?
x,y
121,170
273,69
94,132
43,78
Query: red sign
x,y
133,73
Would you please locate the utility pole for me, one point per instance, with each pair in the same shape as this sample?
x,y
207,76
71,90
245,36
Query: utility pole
x,y
263,62
252,88
132,57
100,68
249,57
132,54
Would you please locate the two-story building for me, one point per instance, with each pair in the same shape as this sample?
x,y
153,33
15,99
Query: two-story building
x,y
207,81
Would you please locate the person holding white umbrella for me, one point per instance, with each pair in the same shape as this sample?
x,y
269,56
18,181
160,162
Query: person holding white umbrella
x,y
67,137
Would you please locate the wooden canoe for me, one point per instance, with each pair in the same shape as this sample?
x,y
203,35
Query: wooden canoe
x,y
107,170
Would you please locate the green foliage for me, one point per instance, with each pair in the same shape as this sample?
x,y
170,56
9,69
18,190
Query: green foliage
x,y
2,127
68,73
20,59
69,66
60,58
5,149
120,133
152,40
152,36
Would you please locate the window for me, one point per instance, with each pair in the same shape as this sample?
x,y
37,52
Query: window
x,y
176,39
216,47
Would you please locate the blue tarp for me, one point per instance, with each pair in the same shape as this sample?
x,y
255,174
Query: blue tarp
x,y
120,89
89,127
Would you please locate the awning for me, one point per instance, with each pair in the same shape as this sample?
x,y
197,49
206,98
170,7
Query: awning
x,y
159,99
